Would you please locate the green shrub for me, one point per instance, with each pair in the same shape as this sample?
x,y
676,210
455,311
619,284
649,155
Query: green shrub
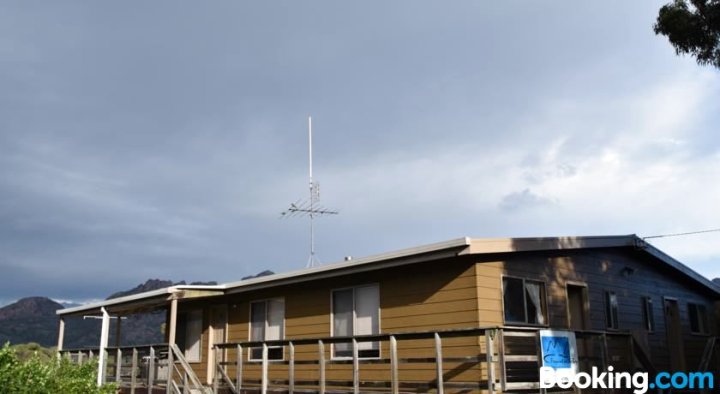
x,y
47,376
25,351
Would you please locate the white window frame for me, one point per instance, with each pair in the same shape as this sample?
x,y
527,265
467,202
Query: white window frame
x,y
266,301
354,313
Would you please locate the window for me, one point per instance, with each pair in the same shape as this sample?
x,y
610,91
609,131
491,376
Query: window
x,y
698,319
356,311
189,334
524,301
267,323
648,314
611,310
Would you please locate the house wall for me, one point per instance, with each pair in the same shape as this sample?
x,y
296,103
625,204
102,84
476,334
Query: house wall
x,y
466,292
602,270
439,295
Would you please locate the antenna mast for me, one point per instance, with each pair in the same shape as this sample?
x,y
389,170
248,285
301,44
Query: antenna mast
x,y
309,207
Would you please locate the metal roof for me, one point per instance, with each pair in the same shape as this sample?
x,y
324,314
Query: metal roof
x,y
451,248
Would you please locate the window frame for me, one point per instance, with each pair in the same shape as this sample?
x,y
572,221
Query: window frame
x,y
648,313
354,315
544,305
703,321
266,301
585,301
611,316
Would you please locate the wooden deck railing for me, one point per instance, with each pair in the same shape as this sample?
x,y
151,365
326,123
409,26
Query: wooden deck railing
x,y
491,359
143,368
503,358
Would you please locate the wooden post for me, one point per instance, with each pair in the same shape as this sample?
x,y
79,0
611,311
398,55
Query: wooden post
x,y
356,367
291,369
439,364
239,368
321,362
118,365
501,357
264,368
216,377
151,369
172,329
133,372
80,356
394,366
171,367
489,359
632,357
118,331
605,350
61,335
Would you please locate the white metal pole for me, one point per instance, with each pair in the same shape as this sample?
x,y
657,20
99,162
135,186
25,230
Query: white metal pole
x,y
310,146
311,263
105,329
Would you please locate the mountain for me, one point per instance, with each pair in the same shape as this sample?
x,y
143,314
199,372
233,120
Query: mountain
x,y
33,319
30,319
149,285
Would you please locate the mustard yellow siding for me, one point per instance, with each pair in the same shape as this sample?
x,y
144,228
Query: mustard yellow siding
x,y
440,295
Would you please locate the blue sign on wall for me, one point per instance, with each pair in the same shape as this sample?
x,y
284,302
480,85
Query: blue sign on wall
x,y
556,352
559,350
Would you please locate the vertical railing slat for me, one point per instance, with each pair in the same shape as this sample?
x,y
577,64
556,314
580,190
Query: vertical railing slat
x,y
171,368
216,374
118,365
239,368
394,384
321,363
133,373
501,358
490,359
264,368
291,369
356,367
151,368
439,364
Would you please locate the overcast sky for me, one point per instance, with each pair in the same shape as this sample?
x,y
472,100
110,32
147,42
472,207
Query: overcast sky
x,y
163,139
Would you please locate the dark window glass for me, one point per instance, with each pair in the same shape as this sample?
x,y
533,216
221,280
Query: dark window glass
x,y
698,319
267,319
524,301
648,314
356,312
611,309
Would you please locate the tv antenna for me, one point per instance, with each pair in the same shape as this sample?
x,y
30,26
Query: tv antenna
x,y
309,208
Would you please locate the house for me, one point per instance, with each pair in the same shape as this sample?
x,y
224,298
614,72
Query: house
x,y
457,316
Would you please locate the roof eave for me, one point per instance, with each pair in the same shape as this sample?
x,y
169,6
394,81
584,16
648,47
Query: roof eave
x,y
158,297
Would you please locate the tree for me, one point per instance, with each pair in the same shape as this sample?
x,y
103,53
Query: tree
x,y
692,27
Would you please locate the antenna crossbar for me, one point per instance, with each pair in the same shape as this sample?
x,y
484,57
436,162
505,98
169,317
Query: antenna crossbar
x,y
309,208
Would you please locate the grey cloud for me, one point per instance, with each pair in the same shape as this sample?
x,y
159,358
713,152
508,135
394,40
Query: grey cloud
x,y
161,139
522,200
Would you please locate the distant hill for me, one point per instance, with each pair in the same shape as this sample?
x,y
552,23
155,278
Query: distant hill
x,y
30,319
33,319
